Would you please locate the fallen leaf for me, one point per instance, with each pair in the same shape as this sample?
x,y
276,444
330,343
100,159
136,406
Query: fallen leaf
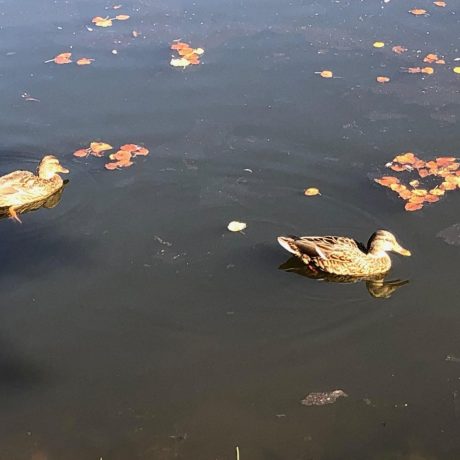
x,y
121,155
142,151
446,185
323,398
98,147
81,153
414,183
378,44
414,70
456,69
419,192
236,226
383,79
445,161
122,17
418,11
116,7
111,166
440,4
329,74
182,62
387,180
84,61
428,70
185,51
398,49
312,191
135,33
413,206
431,198
63,58
102,22
179,45
198,51
437,192
405,158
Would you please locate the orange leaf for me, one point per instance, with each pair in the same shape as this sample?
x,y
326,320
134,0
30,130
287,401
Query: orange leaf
x,y
84,61
431,198
121,155
418,11
129,147
111,166
440,4
419,192
444,161
179,45
413,206
437,192
428,70
125,164
430,58
383,79
122,17
406,158
416,199
405,194
387,180
398,168
142,151
63,58
414,70
423,173
185,51
81,153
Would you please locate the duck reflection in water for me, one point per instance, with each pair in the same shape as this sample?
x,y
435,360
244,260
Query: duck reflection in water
x,y
376,285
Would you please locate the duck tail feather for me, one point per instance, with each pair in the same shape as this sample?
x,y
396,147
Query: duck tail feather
x,y
288,243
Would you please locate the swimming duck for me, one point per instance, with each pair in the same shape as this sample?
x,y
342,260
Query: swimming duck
x,y
22,188
340,255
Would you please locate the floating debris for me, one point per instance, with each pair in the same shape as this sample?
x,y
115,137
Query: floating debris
x,y
321,399
451,235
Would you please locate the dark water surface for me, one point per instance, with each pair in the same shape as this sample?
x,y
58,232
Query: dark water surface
x,y
134,325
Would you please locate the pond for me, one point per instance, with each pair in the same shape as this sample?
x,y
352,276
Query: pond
x,y
134,325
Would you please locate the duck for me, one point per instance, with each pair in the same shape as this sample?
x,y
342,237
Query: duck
x,y
20,189
340,255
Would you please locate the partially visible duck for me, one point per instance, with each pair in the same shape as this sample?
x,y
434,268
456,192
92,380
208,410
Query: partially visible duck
x,y
24,188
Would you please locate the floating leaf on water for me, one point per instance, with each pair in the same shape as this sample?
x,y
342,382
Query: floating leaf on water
x,y
418,12
398,49
312,191
84,61
235,226
326,74
378,44
410,206
428,70
99,147
456,69
405,158
387,180
122,17
111,166
383,79
440,4
63,58
81,153
182,62
102,22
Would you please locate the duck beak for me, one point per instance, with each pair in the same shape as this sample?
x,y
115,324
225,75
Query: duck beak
x,y
61,169
400,250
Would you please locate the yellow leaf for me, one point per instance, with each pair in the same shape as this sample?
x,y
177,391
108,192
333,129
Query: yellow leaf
x,y
326,74
98,147
122,17
236,226
198,51
378,44
181,62
84,61
456,69
312,191
102,22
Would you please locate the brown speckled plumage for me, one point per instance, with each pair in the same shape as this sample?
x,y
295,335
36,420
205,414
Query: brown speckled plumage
x,y
344,256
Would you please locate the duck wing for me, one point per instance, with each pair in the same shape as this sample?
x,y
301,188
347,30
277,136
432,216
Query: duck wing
x,y
328,247
20,187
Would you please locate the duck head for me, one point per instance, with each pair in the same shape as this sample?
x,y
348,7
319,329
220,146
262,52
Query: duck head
x,y
49,167
382,242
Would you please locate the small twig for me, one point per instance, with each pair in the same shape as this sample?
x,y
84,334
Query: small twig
x,y
237,453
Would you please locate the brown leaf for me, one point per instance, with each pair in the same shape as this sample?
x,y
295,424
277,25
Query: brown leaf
x,y
398,49
418,11
413,206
